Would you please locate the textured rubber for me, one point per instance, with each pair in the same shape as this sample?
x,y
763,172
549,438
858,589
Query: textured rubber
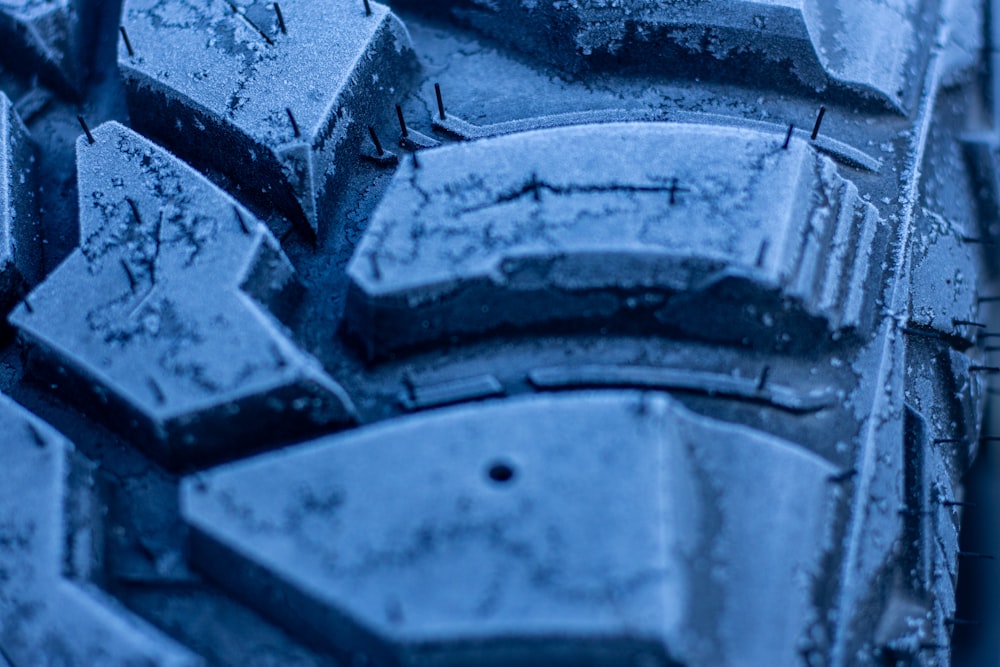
x,y
20,242
479,220
592,561
50,553
154,232
577,333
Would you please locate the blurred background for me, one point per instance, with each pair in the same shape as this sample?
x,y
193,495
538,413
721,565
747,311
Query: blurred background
x,y
977,621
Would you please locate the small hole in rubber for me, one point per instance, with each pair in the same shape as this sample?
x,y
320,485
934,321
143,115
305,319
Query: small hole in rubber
x,y
500,472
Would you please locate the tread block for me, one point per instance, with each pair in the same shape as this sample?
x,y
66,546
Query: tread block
x,y
284,114
49,612
565,530
613,223
964,394
20,245
943,290
163,312
867,45
47,37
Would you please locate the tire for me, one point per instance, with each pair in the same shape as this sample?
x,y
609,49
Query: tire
x,y
490,333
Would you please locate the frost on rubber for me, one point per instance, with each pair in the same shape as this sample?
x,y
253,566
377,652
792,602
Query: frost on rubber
x,y
569,530
677,227
163,313
50,549
943,289
870,46
282,112
20,246
50,38
809,306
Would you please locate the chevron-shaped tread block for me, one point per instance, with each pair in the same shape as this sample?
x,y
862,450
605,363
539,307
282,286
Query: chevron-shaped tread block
x,y
162,315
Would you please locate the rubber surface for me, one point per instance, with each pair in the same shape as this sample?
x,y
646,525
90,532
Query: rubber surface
x,y
491,333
